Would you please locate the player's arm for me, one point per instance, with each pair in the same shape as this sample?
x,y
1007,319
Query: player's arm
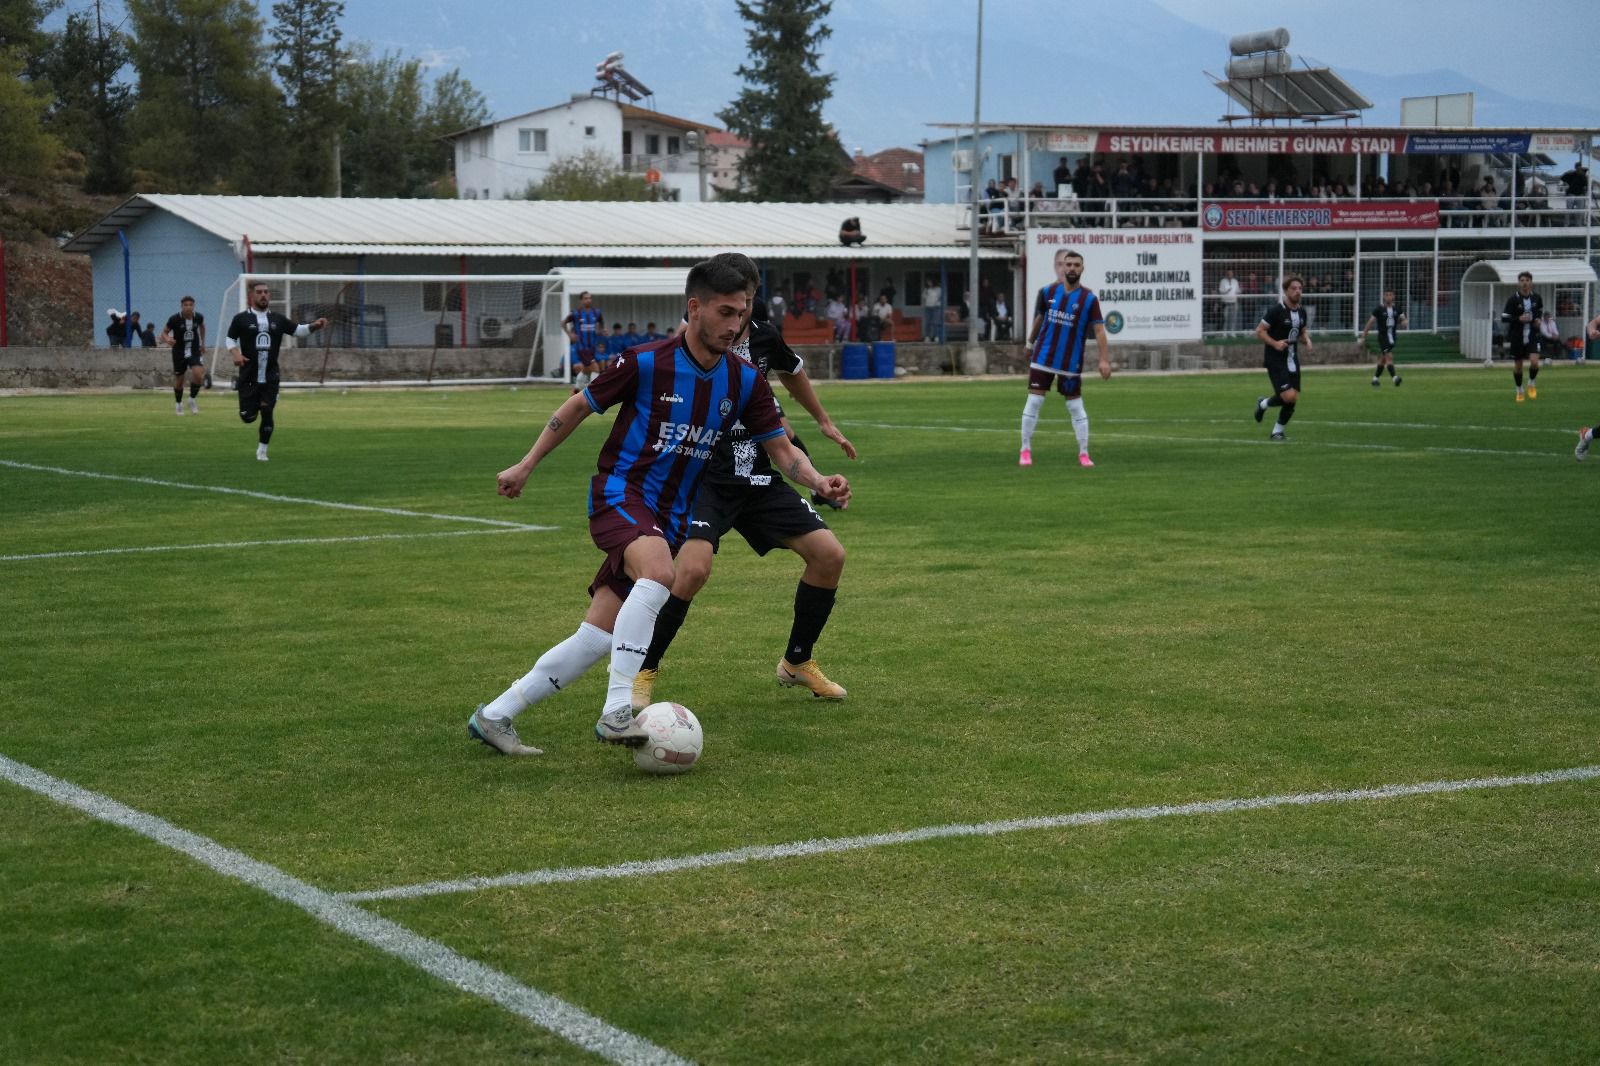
x,y
165,340
1033,330
306,329
573,411
798,385
1594,328
1305,338
1263,333
794,465
1105,350
233,344
1372,320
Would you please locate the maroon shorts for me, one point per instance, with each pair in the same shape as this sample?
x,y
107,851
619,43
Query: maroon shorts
x,y
612,530
1069,385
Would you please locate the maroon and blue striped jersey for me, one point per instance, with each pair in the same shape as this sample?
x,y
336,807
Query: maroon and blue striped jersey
x,y
1070,316
672,415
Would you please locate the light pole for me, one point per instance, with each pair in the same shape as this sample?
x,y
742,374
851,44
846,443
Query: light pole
x,y
696,139
975,361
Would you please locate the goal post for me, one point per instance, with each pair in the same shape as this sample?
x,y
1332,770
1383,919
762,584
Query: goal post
x,y
410,329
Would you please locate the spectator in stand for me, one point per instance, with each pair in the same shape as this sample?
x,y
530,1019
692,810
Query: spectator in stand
x,y
932,312
139,332
839,316
776,307
1099,193
1577,182
859,316
1013,195
616,344
1550,337
116,329
986,308
1002,318
632,335
1228,291
652,334
1123,184
1488,200
1062,175
1036,195
883,311
994,205
1082,175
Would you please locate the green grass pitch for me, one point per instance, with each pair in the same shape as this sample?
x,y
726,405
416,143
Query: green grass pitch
x,y
1403,593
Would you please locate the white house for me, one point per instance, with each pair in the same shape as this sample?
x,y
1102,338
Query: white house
x,y
501,159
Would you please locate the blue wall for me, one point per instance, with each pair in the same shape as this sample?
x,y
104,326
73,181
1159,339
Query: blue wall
x,y
169,259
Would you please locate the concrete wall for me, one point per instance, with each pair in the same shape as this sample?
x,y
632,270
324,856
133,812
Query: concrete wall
x,y
151,368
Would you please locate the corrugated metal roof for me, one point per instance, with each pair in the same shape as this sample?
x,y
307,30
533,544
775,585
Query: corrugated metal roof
x,y
1544,271
321,225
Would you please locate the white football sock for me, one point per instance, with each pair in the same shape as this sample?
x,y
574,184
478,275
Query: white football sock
x,y
1030,418
1080,424
555,670
636,624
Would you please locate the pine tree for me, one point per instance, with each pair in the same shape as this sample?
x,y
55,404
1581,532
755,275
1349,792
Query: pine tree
x,y
307,60
393,119
208,118
793,156
90,112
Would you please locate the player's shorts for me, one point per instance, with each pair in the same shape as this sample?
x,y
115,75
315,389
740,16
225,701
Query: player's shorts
x,y
1385,346
1523,351
612,530
181,362
255,397
1277,364
766,516
583,355
1069,385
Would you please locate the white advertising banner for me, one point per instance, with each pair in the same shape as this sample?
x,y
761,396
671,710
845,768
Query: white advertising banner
x,y
1148,280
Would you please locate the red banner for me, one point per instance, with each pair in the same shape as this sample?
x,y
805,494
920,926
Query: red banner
x,y
1237,217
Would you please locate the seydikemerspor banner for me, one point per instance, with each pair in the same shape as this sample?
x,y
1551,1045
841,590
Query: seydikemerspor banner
x,y
1148,280
1236,217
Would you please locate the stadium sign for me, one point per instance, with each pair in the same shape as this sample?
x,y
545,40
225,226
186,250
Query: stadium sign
x,y
1194,141
1148,280
1301,215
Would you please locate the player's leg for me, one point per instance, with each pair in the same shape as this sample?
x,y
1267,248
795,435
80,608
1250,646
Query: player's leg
x,y
177,392
1287,399
692,570
557,668
250,407
647,561
269,405
197,377
1533,373
1516,372
1072,389
1038,384
814,598
1585,437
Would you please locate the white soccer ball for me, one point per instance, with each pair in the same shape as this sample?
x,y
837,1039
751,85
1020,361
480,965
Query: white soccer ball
x,y
675,739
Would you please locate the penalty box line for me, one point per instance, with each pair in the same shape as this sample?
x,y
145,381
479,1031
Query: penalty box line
x,y
542,1009
835,845
274,497
262,543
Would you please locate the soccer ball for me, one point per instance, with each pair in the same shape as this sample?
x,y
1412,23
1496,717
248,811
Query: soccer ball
x,y
675,739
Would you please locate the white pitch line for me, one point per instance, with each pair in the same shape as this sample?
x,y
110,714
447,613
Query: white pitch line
x,y
542,1009
273,496
832,845
1248,442
264,543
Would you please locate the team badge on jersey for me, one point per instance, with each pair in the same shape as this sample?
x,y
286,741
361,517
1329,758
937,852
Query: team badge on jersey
x,y
725,406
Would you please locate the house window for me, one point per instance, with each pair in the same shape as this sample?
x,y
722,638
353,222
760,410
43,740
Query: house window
x,y
672,146
652,144
588,131
531,141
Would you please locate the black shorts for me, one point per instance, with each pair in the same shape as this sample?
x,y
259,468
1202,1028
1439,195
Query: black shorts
x,y
181,362
1524,351
1277,364
765,515
1069,385
255,397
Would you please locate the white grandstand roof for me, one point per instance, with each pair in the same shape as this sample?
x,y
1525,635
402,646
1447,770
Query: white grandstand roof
x,y
1544,271
292,225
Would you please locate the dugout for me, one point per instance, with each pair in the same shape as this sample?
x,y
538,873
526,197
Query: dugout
x,y
1565,285
622,294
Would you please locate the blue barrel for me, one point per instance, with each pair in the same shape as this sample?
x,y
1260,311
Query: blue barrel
x,y
854,362
883,359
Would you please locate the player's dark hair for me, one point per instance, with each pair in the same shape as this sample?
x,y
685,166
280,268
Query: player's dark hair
x,y
712,277
743,264
1069,253
256,283
1290,279
1525,274
187,300
1388,292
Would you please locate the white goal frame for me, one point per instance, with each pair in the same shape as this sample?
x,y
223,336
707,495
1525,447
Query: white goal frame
x,y
548,337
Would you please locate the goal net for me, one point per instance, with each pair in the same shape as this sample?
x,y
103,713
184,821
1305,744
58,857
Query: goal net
x,y
409,329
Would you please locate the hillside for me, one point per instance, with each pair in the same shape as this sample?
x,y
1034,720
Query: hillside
x,y
49,298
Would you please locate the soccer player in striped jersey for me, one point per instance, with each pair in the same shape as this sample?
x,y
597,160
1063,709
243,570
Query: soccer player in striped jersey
x,y
1063,315
1389,319
584,326
676,400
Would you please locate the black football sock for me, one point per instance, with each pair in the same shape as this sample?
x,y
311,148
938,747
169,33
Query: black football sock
x,y
812,605
1378,371
1284,415
1516,375
668,621
1274,400
1533,372
177,393
264,434
194,390
1391,369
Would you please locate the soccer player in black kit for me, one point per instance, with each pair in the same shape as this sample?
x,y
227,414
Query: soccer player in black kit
x,y
742,492
253,340
186,333
1283,329
1521,319
1388,318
